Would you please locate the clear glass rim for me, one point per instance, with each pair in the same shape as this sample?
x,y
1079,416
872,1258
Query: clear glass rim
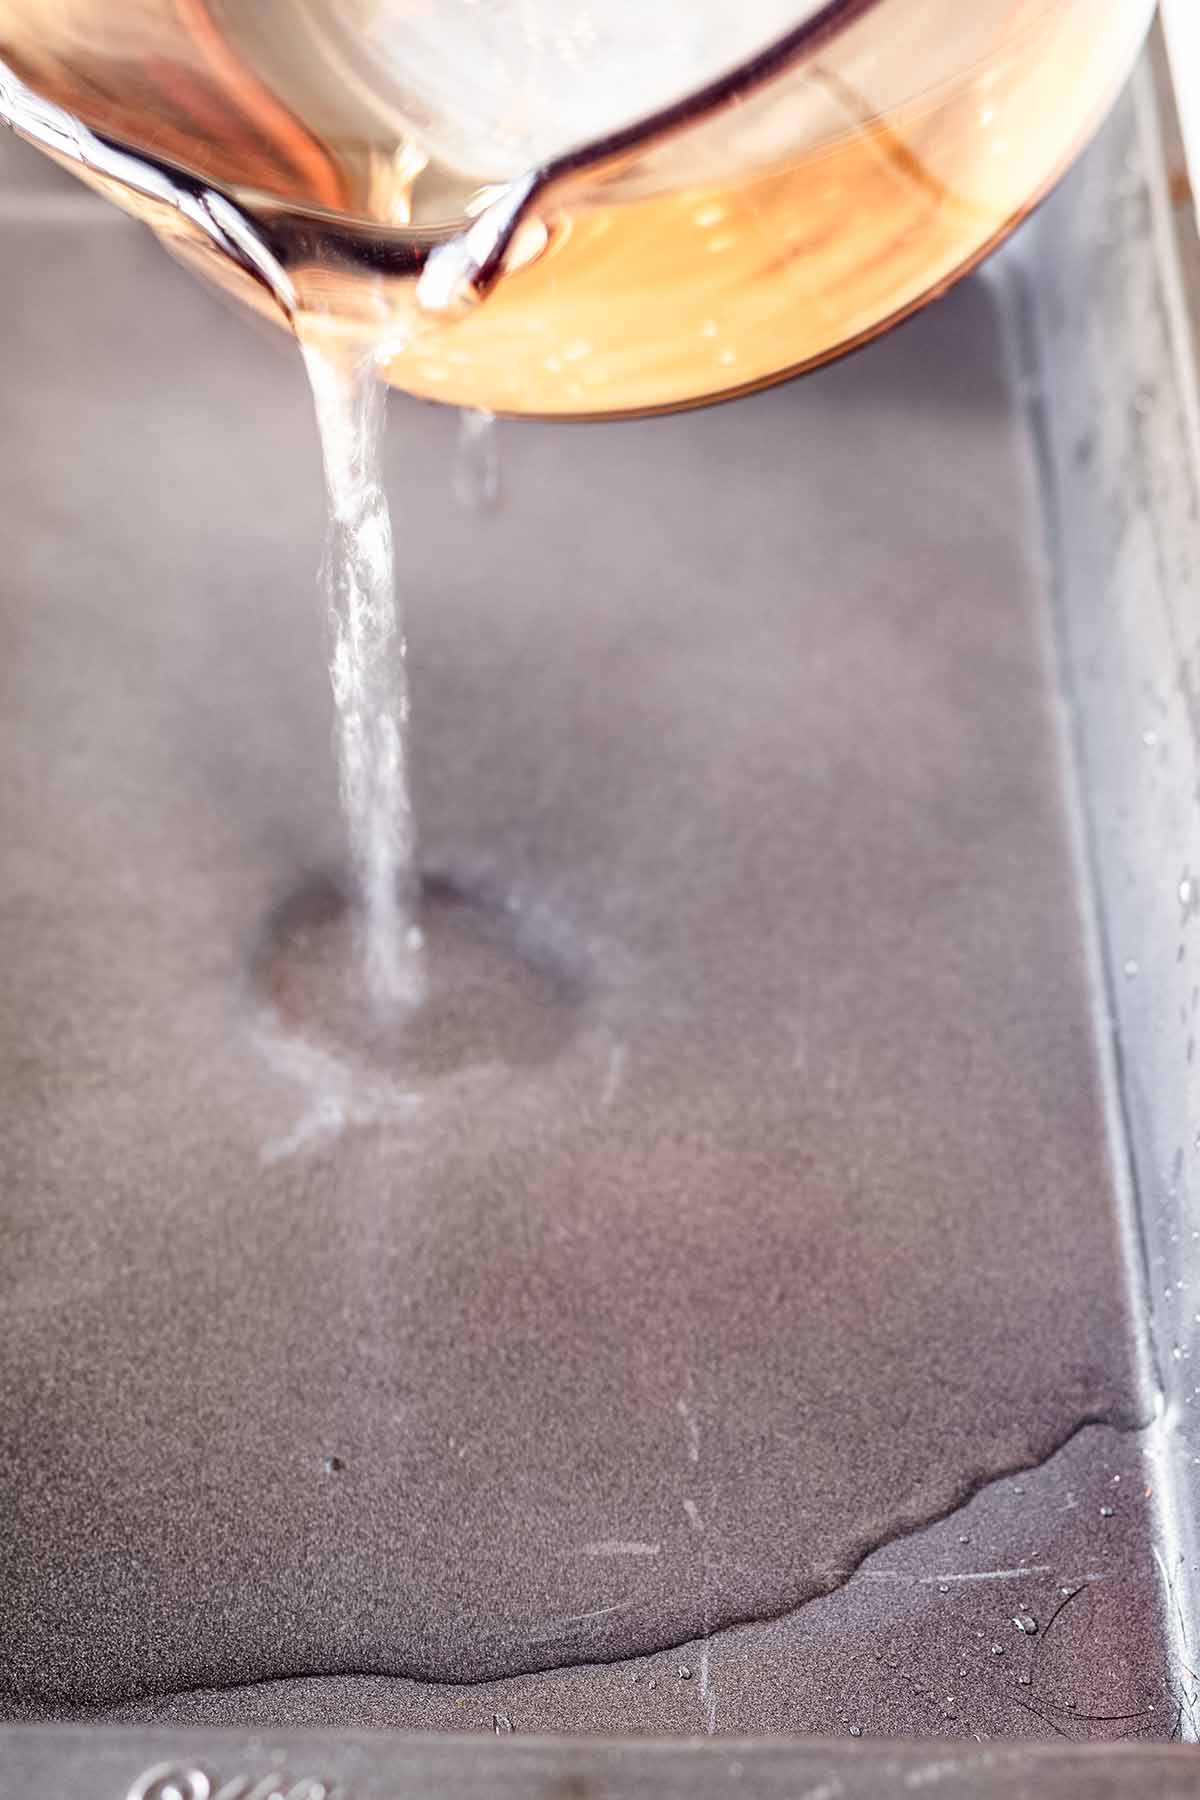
x,y
754,72
286,231
764,66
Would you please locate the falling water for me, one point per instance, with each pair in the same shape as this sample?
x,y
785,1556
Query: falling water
x,y
476,479
367,667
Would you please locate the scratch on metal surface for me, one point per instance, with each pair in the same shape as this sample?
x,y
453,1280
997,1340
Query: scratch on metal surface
x,y
621,1547
691,1426
560,1631
597,1612
613,1075
949,1579
709,1699
1170,1594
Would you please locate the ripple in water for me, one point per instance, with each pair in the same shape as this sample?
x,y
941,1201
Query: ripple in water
x,y
496,993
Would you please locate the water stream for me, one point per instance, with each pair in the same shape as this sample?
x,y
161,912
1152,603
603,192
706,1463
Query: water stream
x,y
368,669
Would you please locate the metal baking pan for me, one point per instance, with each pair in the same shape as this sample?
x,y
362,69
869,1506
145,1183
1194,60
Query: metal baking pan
x,y
772,1324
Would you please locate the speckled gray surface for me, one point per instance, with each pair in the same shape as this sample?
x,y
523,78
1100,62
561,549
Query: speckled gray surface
x,y
922,1639
804,1230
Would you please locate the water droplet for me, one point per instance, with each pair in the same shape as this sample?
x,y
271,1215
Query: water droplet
x,y
333,1465
652,1682
1186,890
997,1649
964,1539
1107,1512
1067,1592
1024,1680
856,1731
943,1587
1132,968
1025,1622
685,1674
476,479
501,1724
1017,1488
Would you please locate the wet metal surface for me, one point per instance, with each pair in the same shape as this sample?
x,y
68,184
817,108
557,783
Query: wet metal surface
x,y
465,1397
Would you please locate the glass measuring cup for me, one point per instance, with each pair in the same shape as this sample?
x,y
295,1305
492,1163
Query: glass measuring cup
x,y
781,211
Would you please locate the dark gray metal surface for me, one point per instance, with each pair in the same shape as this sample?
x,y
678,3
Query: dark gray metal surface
x,y
921,1639
579,1391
